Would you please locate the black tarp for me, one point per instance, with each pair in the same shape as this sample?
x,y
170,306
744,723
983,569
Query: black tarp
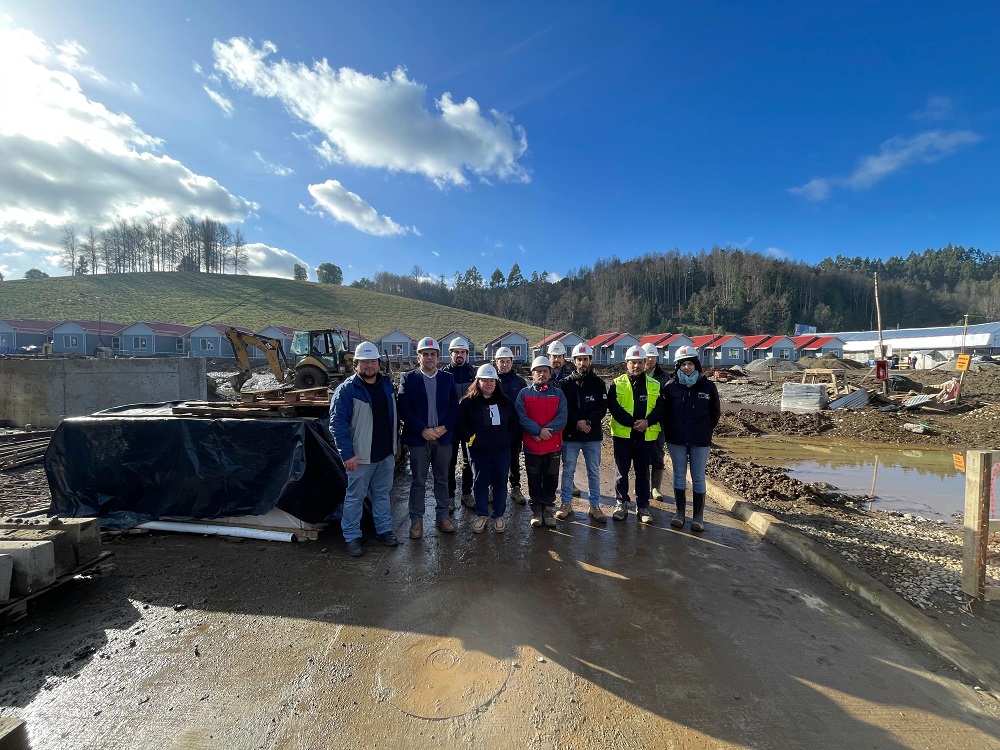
x,y
127,469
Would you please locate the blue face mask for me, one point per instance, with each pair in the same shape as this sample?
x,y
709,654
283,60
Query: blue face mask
x,y
688,379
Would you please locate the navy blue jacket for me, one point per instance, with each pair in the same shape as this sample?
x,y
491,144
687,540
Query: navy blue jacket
x,y
474,419
412,403
511,383
463,375
691,412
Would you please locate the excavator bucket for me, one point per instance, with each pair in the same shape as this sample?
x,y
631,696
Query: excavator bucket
x,y
238,380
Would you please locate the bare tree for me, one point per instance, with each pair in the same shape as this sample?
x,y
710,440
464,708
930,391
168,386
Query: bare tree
x,y
239,252
69,247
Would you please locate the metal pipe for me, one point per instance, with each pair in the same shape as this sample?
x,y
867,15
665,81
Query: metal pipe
x,y
214,529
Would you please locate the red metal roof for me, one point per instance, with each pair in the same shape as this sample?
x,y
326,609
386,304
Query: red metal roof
x,y
671,339
751,342
30,325
819,342
705,340
724,340
600,339
654,338
616,338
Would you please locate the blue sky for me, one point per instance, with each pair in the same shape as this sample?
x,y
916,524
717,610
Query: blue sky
x,y
383,136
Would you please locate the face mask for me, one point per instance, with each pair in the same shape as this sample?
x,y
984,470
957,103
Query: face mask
x,y
688,379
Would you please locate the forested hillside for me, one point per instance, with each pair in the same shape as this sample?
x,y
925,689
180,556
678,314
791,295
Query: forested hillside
x,y
749,292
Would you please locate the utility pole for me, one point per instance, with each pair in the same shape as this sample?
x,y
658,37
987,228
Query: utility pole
x,y
881,345
711,342
965,330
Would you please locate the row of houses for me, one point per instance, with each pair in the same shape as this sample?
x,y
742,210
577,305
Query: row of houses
x,y
716,350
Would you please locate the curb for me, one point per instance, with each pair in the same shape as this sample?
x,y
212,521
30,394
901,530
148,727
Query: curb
x,y
873,594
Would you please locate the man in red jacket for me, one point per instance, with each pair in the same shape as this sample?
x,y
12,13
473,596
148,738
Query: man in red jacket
x,y
541,409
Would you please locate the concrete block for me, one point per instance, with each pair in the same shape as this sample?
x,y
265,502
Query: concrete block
x,y
13,734
6,572
34,565
84,533
62,545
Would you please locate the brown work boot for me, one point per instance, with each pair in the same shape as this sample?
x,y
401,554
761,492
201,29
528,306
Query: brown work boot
x,y
517,496
596,514
416,529
564,513
446,525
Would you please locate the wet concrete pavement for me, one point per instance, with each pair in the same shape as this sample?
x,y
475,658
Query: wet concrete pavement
x,y
586,636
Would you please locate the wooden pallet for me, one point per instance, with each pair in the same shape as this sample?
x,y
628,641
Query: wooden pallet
x,y
18,608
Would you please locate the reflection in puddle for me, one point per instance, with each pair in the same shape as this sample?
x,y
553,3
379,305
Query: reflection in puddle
x,y
909,480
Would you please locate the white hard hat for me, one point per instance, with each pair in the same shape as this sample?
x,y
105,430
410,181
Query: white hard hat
x,y
366,350
486,371
557,347
651,351
582,350
685,352
635,352
540,362
458,343
428,342
503,351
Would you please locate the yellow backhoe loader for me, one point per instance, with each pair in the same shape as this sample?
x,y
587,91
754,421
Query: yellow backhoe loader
x,y
322,357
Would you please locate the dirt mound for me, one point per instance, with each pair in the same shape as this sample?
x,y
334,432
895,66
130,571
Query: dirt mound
x,y
833,363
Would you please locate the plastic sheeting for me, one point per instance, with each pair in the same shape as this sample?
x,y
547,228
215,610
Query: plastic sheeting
x,y
128,469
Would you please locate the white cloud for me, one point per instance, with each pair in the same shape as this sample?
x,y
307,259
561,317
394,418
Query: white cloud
x,y
553,277
350,208
893,155
66,159
224,104
435,253
276,169
937,108
777,253
264,260
381,122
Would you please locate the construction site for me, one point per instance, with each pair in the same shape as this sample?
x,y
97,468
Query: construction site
x,y
175,580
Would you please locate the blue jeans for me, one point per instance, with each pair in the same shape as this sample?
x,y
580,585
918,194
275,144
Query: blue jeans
x,y
374,480
489,469
592,458
697,456
432,457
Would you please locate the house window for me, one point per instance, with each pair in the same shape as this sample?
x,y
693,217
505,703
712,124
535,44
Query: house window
x,y
516,350
783,353
138,342
179,345
3,340
116,343
71,342
396,350
207,345
733,353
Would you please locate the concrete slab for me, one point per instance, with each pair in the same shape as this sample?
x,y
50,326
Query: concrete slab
x,y
84,533
6,572
13,735
62,546
34,565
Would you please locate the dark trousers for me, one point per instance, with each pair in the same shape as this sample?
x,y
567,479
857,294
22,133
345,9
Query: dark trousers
x,y
490,470
463,448
515,462
543,476
426,458
656,460
634,454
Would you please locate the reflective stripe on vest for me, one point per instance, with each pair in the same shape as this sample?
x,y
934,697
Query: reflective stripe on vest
x,y
623,391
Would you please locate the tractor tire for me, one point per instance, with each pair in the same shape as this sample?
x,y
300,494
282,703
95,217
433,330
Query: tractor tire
x,y
310,377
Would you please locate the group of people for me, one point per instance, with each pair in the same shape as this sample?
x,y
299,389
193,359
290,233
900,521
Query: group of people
x,y
493,416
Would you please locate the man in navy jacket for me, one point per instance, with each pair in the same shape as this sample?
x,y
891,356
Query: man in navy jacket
x,y
428,406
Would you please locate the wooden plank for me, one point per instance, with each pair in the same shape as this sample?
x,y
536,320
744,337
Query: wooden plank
x,y
310,534
978,466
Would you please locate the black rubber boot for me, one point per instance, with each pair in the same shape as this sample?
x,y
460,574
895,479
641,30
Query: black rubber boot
x,y
698,520
680,500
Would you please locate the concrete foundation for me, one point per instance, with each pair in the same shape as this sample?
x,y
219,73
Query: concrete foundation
x,y
6,571
62,546
34,565
41,391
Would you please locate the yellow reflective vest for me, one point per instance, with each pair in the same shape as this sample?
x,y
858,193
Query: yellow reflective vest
x,y
624,397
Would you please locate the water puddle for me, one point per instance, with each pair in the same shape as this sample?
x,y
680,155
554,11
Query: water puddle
x,y
909,480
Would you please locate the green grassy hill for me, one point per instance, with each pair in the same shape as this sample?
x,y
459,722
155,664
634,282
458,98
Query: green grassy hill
x,y
251,301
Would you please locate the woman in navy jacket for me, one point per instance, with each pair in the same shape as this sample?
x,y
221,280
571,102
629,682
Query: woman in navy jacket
x,y
489,424
693,409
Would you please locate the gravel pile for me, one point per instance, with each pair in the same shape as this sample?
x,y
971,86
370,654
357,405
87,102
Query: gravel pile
x,y
764,365
764,394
